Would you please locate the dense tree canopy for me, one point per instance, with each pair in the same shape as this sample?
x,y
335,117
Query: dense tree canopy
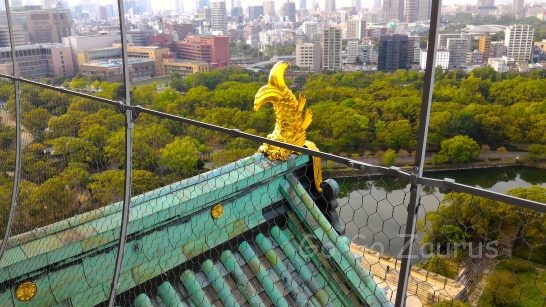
x,y
353,113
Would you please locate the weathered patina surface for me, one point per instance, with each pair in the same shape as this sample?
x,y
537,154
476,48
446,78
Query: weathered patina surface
x,y
268,218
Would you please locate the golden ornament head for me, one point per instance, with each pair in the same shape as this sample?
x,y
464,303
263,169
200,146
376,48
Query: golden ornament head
x,y
26,291
217,211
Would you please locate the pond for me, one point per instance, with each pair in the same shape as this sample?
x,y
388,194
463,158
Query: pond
x,y
374,210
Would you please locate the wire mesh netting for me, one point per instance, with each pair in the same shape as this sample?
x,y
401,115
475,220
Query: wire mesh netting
x,y
209,221
7,152
62,190
492,249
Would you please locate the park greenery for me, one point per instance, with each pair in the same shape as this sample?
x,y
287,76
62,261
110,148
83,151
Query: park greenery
x,y
463,220
515,282
73,148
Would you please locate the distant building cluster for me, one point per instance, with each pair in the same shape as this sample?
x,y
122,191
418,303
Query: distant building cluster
x,y
57,40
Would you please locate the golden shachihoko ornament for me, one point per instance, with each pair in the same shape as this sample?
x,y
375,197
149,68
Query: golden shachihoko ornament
x,y
290,121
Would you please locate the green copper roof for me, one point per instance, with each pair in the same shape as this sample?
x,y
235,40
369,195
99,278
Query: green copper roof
x,y
257,248
281,274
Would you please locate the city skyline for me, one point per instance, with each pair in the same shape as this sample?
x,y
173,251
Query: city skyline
x,y
191,5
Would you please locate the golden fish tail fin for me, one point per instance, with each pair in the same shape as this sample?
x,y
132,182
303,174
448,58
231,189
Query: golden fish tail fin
x,y
301,102
317,167
307,119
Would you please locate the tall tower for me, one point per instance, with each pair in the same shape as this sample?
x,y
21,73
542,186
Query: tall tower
x,y
425,7
202,4
303,4
329,6
358,5
517,8
288,10
393,9
269,8
331,49
179,6
484,47
519,42
393,52
219,17
411,10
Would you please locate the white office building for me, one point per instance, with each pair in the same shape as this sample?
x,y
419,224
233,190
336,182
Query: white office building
x,y
308,55
519,42
355,29
331,49
219,22
442,59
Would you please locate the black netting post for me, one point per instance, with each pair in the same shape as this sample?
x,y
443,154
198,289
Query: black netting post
x,y
409,235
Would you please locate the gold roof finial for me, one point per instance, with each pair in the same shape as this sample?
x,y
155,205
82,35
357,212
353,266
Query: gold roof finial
x,y
291,123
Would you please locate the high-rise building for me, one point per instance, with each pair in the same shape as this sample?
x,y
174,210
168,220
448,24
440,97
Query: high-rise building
x,y
519,42
486,6
414,49
308,55
138,6
310,28
288,11
103,14
269,8
393,9
393,52
204,14
358,5
43,26
48,4
303,4
517,8
425,6
442,39
356,28
218,17
138,37
181,29
486,3
255,12
39,61
484,47
442,59
20,35
179,6
329,6
366,53
201,4
411,10
237,13
351,51
331,49
458,48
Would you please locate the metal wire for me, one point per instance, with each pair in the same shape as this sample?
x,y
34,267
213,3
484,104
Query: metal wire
x,y
128,157
18,111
